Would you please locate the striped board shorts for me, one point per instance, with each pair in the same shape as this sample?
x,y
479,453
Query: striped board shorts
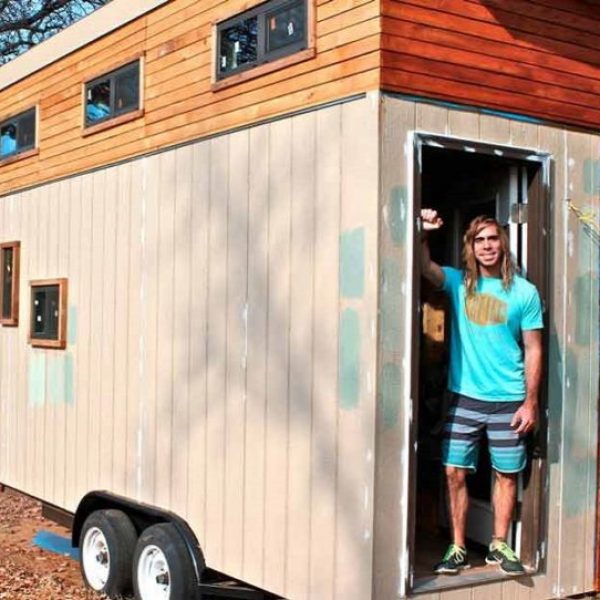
x,y
466,421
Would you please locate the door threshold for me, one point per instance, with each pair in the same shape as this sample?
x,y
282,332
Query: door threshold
x,y
470,577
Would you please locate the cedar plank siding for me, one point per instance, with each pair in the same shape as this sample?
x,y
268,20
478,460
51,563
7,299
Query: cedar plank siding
x,y
179,103
523,56
512,55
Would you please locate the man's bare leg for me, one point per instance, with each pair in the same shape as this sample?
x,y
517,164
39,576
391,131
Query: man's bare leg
x,y
455,558
458,502
505,496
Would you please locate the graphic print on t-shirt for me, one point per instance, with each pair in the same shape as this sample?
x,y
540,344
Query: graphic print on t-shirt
x,y
485,309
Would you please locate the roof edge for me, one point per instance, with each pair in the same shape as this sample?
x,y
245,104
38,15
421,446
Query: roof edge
x,y
95,25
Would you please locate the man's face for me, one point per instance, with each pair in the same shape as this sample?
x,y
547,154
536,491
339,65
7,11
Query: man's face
x,y
486,247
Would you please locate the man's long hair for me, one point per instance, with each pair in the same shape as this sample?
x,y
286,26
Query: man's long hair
x,y
507,266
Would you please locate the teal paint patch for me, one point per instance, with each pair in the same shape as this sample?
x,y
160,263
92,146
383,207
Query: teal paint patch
x,y
391,289
349,359
396,217
69,379
390,393
585,289
56,380
37,378
60,377
352,263
72,325
591,176
555,397
582,292
578,453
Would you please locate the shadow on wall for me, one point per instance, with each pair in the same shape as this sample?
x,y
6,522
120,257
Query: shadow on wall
x,y
240,430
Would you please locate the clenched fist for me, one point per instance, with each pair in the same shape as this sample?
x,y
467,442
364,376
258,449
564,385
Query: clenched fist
x,y
430,219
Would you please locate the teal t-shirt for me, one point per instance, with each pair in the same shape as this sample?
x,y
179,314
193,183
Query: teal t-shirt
x,y
486,355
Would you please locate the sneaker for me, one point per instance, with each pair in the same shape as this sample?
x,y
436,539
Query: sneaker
x,y
501,554
454,560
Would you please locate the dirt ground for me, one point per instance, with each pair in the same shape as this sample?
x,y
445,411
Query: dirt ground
x,y
26,571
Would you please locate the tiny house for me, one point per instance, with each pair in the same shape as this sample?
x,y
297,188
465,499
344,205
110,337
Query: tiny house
x,y
216,351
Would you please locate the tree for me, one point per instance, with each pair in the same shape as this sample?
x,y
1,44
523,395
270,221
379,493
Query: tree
x,y
26,23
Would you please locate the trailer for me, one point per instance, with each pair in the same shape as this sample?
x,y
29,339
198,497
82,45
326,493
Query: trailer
x,y
217,355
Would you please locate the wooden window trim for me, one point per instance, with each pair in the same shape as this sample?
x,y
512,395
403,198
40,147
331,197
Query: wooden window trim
x,y
61,341
124,117
262,69
13,320
114,122
19,156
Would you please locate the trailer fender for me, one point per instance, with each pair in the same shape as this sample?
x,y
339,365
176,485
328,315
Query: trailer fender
x,y
142,515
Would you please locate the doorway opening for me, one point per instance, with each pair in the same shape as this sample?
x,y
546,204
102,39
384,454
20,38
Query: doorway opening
x,y
462,180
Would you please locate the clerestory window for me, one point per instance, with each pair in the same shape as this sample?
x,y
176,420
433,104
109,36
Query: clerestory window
x,y
17,134
113,94
262,34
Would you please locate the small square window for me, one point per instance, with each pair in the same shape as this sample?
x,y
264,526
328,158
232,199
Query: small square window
x,y
17,134
9,283
113,94
48,313
267,32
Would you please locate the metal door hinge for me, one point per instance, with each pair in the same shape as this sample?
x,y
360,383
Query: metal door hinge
x,y
518,213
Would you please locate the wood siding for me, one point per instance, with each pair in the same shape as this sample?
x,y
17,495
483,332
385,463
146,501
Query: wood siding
x,y
573,352
519,56
177,43
207,346
538,58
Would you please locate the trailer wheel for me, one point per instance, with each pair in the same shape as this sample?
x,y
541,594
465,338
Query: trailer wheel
x,y
106,546
162,568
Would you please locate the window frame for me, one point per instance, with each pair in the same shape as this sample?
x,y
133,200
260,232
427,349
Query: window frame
x,y
13,319
113,118
30,149
60,342
266,61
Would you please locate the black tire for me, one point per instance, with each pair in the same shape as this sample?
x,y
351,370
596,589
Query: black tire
x,y
119,540
178,572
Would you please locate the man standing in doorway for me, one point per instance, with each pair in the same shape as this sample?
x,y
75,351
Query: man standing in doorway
x,y
495,372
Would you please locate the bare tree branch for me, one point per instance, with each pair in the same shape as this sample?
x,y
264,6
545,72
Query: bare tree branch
x,y
26,23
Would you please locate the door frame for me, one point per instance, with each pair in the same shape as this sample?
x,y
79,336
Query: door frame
x,y
532,508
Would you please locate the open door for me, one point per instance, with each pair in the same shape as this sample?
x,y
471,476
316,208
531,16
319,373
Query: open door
x,y
463,180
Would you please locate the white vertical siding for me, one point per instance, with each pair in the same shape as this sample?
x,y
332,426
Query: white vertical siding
x,y
324,461
201,370
393,422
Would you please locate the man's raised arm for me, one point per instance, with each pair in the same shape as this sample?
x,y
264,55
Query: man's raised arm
x,y
430,221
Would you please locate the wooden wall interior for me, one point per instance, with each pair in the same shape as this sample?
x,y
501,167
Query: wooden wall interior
x,y
176,40
205,329
573,352
532,57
